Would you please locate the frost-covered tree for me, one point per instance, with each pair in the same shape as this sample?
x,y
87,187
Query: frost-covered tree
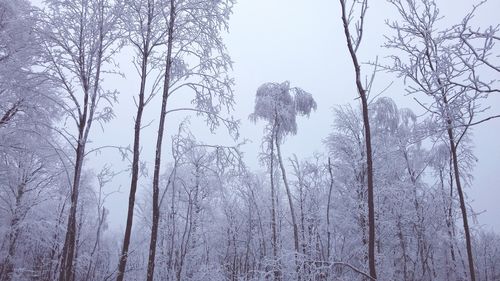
x,y
445,68
279,105
191,232
313,185
195,61
25,95
143,22
80,39
346,150
208,216
404,198
31,173
476,46
31,163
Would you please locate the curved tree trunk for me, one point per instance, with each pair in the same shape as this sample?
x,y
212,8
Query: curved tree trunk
x,y
292,209
368,143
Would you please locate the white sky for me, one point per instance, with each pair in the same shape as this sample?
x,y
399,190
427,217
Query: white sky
x,y
300,41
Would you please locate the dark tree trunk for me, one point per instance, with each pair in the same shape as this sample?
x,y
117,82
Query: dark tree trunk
x,y
9,114
368,143
68,253
159,141
456,170
463,207
136,150
84,125
85,63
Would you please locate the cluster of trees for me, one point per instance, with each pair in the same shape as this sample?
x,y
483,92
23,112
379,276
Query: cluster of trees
x,y
385,201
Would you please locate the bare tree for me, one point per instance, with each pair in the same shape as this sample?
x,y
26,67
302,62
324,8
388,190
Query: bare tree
x,y
445,67
353,43
192,34
79,37
207,217
143,20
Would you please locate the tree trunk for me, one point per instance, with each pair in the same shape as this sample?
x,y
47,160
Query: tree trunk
x,y
456,171
277,271
55,245
84,125
68,253
8,266
136,150
328,227
448,214
369,161
9,114
463,207
159,141
292,209
402,244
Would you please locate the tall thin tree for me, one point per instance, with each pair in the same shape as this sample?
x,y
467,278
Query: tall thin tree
x,y
79,38
195,61
279,104
143,24
444,66
353,43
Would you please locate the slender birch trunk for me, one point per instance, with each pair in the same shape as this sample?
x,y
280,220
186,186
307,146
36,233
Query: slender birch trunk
x,y
159,142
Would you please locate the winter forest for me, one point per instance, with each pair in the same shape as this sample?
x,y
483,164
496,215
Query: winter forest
x,y
251,140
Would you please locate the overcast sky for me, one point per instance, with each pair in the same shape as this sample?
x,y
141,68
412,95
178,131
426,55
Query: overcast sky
x,y
300,41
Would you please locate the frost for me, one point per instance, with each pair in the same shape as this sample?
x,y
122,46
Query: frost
x,y
278,103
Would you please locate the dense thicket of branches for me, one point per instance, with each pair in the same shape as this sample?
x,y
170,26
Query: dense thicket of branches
x,y
204,214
